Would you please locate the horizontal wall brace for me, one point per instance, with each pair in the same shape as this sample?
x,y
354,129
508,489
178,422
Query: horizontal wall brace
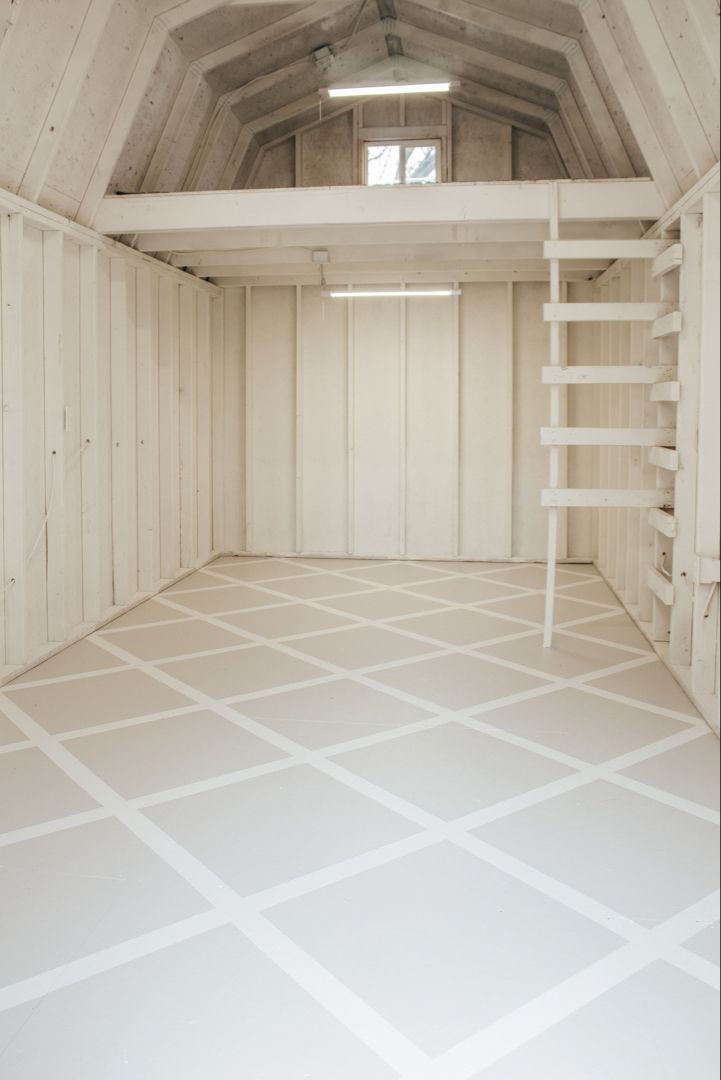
x,y
666,392
663,523
578,250
582,313
599,498
607,374
661,587
568,436
667,325
669,261
664,458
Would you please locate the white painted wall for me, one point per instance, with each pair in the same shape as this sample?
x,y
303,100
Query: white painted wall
x,y
111,373
390,428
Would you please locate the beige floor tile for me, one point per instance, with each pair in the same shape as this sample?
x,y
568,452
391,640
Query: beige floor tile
x,y
362,647
271,571
33,790
213,1008
453,944
533,608
690,771
75,660
98,699
175,639
230,598
391,574
149,612
458,682
320,586
465,590
383,604
568,657
597,592
331,713
451,567
245,671
534,577
707,944
199,580
9,734
170,753
75,892
659,1025
452,771
582,725
302,821
617,629
281,622
653,684
638,856
461,627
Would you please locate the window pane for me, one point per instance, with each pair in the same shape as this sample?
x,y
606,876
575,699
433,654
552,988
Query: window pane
x,y
421,165
384,165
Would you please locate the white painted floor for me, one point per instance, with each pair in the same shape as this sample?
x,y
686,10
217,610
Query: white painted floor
x,y
299,820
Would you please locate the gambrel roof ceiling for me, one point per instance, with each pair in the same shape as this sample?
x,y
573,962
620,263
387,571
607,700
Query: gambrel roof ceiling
x,y
131,95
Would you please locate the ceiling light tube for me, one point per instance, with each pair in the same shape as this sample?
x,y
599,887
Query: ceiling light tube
x,y
386,294
398,88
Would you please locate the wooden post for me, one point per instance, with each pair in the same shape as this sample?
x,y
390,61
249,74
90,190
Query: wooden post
x,y
13,581
54,431
555,452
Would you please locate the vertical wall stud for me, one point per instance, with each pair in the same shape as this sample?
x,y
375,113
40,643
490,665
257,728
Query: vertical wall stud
x,y
220,409
350,326
555,452
54,431
147,434
13,584
188,428
299,433
403,431
89,445
249,432
123,589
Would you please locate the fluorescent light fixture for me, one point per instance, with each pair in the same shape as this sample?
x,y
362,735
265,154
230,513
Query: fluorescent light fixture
x,y
385,294
397,88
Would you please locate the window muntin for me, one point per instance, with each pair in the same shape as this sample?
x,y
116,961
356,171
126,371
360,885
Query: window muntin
x,y
393,164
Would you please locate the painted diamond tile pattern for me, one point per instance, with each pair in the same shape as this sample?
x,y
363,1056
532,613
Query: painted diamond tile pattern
x,y
348,818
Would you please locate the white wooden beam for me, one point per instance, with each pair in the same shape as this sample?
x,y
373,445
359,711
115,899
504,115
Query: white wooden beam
x,y
603,375
573,250
666,392
606,436
594,200
90,383
607,498
583,313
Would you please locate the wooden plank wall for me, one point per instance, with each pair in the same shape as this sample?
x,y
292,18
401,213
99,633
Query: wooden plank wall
x,y
112,371
628,547
393,428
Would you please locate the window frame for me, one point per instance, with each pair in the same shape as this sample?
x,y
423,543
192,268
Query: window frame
x,y
404,144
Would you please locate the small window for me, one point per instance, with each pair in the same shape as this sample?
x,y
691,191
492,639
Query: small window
x,y
402,163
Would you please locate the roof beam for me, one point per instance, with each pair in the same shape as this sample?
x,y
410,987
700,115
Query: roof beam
x,y
595,200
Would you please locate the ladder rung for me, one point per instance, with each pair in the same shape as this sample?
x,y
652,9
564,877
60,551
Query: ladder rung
x,y
661,587
599,498
708,571
669,261
664,523
576,313
568,436
664,458
667,325
666,391
606,374
578,250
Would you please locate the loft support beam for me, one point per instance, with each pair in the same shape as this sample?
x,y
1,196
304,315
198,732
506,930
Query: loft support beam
x,y
583,200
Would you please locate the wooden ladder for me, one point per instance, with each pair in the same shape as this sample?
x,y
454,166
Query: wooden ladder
x,y
666,323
